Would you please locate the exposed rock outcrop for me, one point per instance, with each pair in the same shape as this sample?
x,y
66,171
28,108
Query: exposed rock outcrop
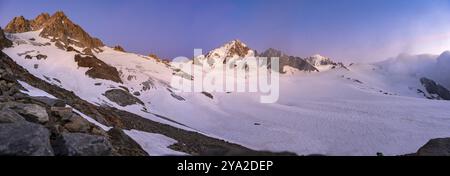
x,y
154,56
436,90
119,48
97,68
4,42
435,147
122,98
285,60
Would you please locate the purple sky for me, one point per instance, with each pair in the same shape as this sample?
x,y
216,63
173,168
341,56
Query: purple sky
x,y
349,30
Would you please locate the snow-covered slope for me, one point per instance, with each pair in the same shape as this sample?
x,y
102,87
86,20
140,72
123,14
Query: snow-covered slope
x,y
366,109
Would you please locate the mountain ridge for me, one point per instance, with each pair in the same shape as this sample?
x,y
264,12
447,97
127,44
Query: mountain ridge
x,y
58,27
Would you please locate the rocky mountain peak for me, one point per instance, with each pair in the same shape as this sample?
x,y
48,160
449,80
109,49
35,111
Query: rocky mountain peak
x,y
57,27
230,49
18,25
39,21
61,29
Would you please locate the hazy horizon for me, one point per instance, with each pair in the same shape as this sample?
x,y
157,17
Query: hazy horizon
x,y
350,30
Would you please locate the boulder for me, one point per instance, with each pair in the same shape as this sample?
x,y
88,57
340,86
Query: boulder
x,y
77,124
9,116
64,112
80,144
435,147
121,97
33,112
24,139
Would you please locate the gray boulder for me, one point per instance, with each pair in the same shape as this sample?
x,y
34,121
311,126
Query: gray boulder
x,y
435,147
77,124
24,139
9,116
80,144
37,112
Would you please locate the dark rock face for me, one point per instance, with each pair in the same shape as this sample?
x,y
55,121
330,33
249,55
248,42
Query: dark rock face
x,y
285,60
436,89
124,145
4,42
119,48
79,144
24,139
121,97
435,147
98,68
